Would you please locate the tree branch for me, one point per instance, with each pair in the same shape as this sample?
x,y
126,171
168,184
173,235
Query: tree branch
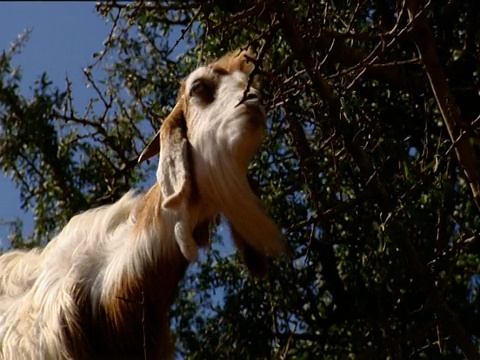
x,y
425,43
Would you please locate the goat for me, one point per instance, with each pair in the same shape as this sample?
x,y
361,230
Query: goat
x,y
103,286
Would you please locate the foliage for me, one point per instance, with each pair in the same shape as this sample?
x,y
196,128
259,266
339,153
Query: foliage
x,y
367,166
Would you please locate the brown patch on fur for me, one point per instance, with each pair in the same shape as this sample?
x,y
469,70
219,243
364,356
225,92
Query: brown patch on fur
x,y
238,60
143,332
148,210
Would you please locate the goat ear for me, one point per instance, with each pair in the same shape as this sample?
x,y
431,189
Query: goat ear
x,y
173,174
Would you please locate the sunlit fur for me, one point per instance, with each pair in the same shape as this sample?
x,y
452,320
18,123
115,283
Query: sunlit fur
x,y
102,288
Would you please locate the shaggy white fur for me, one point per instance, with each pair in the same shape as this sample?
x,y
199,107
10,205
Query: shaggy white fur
x,y
36,286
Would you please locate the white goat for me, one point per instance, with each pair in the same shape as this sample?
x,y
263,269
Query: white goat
x,y
102,288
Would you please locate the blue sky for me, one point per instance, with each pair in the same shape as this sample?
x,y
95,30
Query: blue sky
x,y
64,37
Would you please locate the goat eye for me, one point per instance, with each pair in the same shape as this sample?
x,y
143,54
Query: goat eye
x,y
202,89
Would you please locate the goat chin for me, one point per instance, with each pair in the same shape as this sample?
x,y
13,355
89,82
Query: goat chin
x,y
228,187
103,287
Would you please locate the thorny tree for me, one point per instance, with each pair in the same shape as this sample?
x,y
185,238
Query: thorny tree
x,y
371,166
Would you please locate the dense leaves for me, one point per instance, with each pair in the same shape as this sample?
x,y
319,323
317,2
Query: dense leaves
x,y
369,166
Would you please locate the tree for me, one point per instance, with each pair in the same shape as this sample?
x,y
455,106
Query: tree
x,y
370,165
